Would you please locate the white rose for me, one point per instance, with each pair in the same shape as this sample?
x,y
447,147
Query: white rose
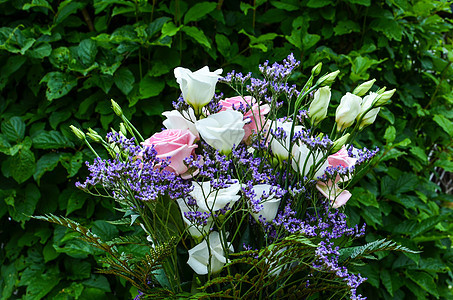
x,y
208,254
209,199
347,111
269,204
195,230
280,147
222,130
197,87
304,159
176,120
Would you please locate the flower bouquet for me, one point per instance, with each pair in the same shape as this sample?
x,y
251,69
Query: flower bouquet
x,y
239,197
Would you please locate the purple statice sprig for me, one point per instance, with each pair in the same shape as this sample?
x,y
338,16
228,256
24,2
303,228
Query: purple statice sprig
x,y
363,155
134,174
198,217
313,143
327,260
279,72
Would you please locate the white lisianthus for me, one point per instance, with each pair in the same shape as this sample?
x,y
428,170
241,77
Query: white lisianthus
x,y
347,111
305,159
366,104
208,254
195,230
209,199
176,120
222,130
269,204
318,107
280,147
197,87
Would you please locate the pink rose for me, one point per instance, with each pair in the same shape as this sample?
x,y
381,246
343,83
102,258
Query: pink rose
x,y
174,143
341,158
331,191
252,111
337,196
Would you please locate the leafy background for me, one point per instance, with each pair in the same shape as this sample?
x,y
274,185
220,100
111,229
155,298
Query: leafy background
x,y
62,61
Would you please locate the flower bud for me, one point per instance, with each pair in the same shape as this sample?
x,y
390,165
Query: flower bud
x,y
116,108
369,118
318,107
78,133
383,98
123,129
316,69
94,135
340,142
364,88
347,111
328,79
381,90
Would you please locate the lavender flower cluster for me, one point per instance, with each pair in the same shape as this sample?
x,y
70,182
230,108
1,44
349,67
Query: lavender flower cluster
x,y
138,176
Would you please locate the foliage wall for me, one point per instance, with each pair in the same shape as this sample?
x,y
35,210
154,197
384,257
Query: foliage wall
x,y
62,61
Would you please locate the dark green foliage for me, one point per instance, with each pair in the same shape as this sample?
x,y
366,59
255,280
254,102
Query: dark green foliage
x,y
62,61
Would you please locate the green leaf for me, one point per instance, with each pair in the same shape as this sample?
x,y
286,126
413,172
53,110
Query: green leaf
x,y
424,280
223,44
156,26
86,52
13,129
99,282
58,84
59,116
25,203
427,224
37,3
103,81
285,5
387,280
9,275
104,230
318,3
12,65
76,201
72,163
445,123
389,27
419,152
197,35
124,80
46,163
5,145
170,29
51,140
150,87
390,134
23,165
361,2
39,281
67,8
345,27
198,11
41,51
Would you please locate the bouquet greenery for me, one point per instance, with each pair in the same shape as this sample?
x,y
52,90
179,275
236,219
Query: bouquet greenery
x,y
239,197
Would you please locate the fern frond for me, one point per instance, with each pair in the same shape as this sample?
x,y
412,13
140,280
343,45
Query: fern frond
x,y
139,271
376,246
